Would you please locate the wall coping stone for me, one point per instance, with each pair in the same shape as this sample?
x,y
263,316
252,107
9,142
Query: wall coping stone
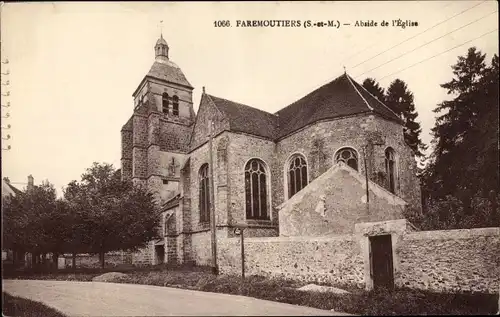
x,y
453,234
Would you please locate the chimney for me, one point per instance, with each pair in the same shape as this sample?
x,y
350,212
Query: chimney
x,y
7,180
30,182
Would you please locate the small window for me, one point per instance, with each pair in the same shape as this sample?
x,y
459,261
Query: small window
x,y
348,156
164,103
297,174
175,105
165,181
390,169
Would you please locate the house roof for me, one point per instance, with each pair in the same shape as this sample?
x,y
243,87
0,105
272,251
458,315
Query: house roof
x,y
243,118
339,98
8,188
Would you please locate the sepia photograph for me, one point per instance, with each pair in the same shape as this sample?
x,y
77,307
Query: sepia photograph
x,y
287,158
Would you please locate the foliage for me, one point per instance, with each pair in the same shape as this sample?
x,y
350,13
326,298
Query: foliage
x,y
374,88
462,174
34,221
400,100
100,213
111,214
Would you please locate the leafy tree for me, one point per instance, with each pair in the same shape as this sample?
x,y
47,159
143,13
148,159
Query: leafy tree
x,y
400,99
34,221
464,162
374,88
111,214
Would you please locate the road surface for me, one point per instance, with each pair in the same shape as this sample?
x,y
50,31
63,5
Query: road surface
x,y
112,299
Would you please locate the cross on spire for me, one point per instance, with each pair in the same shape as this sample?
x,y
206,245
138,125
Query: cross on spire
x,y
345,72
161,28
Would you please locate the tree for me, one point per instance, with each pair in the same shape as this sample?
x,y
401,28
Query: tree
x,y
374,88
400,100
112,214
34,221
464,162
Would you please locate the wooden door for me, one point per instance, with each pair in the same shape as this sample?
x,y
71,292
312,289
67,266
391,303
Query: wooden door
x,y
381,262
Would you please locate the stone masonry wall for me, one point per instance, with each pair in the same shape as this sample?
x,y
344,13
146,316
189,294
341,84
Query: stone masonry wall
x,y
319,143
438,261
313,259
467,259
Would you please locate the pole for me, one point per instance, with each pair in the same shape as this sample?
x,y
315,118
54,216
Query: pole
x,y
242,255
366,178
212,202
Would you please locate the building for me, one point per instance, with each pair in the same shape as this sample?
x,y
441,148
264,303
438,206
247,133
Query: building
x,y
260,159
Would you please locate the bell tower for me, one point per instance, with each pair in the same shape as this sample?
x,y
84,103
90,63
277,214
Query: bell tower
x,y
155,140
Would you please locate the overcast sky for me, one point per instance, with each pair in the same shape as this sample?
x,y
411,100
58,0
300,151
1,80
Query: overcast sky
x,y
74,66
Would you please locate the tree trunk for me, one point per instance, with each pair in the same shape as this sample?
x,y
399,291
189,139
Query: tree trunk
x,y
33,260
73,261
101,258
55,260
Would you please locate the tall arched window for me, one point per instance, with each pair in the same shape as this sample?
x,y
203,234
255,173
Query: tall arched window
x,y
297,174
164,104
175,105
348,156
390,169
256,195
204,195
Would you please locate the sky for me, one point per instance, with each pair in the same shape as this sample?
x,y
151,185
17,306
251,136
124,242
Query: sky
x,y
74,66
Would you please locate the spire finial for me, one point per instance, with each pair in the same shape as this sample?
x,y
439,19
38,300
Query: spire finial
x,y
161,28
345,72
203,89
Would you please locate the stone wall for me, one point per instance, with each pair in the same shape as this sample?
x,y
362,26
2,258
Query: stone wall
x,y
321,259
319,142
334,202
467,259
92,261
438,261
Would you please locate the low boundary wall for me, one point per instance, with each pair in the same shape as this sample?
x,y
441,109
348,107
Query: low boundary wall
x,y
441,261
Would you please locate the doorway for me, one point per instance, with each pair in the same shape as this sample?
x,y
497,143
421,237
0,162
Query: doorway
x,y
381,262
160,254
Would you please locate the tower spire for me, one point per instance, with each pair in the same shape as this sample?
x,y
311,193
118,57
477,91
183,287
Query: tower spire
x,y
161,47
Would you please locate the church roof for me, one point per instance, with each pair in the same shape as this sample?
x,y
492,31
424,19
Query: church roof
x,y
243,118
339,98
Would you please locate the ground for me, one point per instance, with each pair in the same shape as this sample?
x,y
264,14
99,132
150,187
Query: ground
x,y
110,299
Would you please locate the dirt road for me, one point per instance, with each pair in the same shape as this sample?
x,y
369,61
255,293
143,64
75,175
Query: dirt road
x,y
110,299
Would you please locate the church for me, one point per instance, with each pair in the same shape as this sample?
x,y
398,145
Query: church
x,y
260,159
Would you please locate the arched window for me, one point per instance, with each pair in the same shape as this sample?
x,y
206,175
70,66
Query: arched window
x,y
256,195
390,169
204,199
297,174
348,156
164,104
175,105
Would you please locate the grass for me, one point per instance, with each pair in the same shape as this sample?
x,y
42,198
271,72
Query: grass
x,y
397,302
22,307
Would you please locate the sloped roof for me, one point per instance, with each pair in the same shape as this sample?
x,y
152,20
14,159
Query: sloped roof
x,y
243,118
8,189
168,71
339,98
